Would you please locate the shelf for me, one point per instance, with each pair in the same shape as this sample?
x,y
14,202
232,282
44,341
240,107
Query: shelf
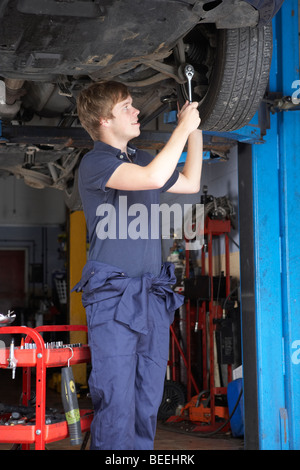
x,y
26,433
52,357
217,227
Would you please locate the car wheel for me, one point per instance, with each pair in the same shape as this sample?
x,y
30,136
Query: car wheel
x,y
232,77
173,397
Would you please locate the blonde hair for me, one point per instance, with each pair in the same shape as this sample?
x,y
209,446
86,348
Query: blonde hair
x,y
96,102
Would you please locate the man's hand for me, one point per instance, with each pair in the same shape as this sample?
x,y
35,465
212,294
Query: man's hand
x,y
188,116
189,178
133,177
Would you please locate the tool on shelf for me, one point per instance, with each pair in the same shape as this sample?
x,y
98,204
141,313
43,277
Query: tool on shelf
x,y
7,319
12,362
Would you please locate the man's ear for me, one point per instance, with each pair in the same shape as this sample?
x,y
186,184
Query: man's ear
x,y
104,122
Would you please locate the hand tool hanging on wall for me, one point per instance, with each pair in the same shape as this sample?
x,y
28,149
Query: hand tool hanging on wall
x,y
70,404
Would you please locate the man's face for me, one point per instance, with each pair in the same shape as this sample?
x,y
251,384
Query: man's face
x,y
125,123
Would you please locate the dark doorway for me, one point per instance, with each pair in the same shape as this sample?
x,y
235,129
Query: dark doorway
x,y
12,279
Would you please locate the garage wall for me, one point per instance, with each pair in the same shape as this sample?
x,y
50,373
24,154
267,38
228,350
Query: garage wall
x,y
23,205
221,178
32,220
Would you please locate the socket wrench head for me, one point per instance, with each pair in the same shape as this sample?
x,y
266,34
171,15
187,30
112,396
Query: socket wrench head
x,y
189,73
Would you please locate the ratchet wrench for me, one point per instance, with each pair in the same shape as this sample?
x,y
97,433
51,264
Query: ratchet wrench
x,y
189,73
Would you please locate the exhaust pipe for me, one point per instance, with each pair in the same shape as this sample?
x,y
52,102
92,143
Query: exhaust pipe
x,y
11,91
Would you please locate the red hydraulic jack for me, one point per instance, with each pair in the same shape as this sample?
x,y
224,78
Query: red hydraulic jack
x,y
205,418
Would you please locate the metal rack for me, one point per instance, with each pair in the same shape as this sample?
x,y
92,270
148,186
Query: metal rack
x,y
212,228
41,358
215,228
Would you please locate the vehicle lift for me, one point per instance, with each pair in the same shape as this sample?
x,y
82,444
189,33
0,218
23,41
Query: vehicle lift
x,y
269,210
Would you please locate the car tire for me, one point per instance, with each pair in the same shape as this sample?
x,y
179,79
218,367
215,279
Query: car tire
x,y
238,78
174,396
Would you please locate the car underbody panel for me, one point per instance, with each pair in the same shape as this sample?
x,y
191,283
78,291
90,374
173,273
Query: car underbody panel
x,y
51,49
43,39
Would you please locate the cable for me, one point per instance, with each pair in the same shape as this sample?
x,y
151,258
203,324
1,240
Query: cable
x,y
229,295
228,419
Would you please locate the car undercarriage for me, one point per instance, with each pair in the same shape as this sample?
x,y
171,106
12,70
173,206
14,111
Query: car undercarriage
x,y
50,50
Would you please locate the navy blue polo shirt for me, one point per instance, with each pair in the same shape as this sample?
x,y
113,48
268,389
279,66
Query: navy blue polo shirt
x,y
123,227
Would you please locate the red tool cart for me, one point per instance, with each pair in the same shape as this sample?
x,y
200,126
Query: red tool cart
x,y
41,358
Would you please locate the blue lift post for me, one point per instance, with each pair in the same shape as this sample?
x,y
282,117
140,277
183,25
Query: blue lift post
x,y
271,286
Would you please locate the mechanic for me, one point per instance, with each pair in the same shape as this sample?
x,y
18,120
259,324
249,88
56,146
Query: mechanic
x,y
125,289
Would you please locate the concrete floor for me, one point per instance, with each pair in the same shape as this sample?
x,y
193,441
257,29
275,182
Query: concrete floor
x,y
173,441
173,438
167,441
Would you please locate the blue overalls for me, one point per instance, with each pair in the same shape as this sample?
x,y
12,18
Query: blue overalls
x,y
128,331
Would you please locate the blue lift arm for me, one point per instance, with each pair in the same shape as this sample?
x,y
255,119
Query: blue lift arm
x,y
269,199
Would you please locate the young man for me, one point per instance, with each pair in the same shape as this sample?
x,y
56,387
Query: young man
x,y
125,289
